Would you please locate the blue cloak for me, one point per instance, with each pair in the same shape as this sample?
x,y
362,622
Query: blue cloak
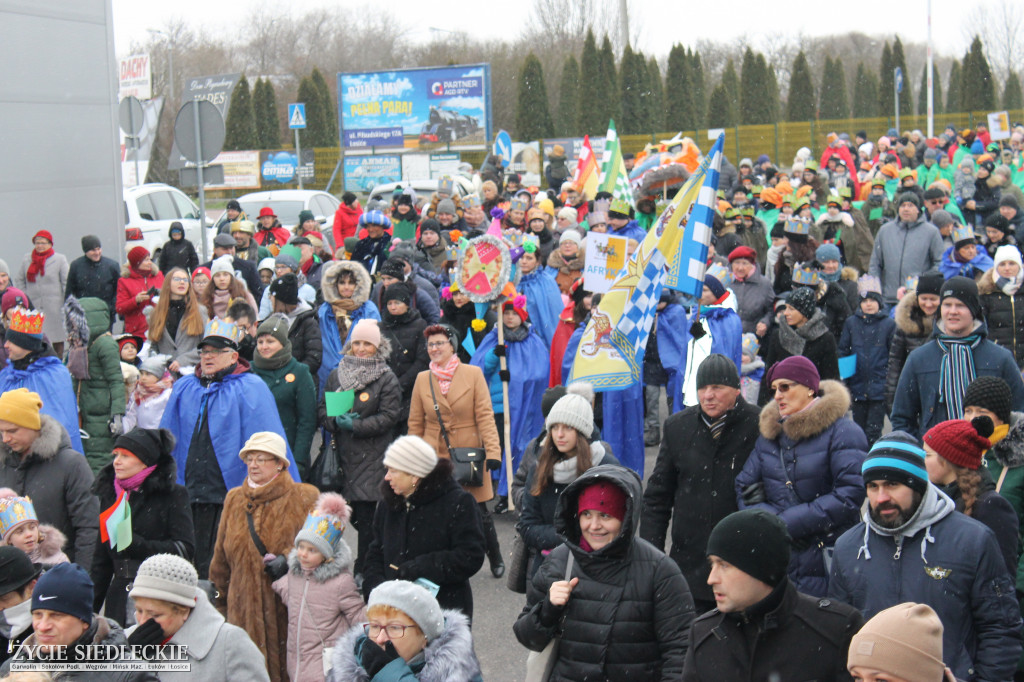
x,y
543,302
331,340
726,338
950,267
529,371
48,377
239,406
673,335
630,230
623,412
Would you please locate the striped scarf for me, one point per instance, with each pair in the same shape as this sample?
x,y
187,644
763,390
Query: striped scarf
x,y
716,425
956,371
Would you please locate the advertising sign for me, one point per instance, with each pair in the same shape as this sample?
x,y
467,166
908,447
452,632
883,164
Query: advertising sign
x,y
444,164
605,259
135,77
572,147
999,125
278,167
217,89
241,170
402,108
525,160
363,173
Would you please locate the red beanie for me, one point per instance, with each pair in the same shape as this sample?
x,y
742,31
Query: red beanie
x,y
202,271
604,496
743,252
137,255
45,234
961,442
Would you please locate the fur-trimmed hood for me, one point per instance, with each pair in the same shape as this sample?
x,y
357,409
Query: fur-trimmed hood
x,y
50,550
556,261
160,482
987,284
1009,452
905,319
449,658
849,274
329,282
52,439
830,408
330,568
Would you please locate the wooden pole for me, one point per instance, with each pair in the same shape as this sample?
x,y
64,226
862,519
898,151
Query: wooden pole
x,y
503,365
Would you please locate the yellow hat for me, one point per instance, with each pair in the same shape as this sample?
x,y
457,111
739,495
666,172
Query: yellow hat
x,y
547,206
21,407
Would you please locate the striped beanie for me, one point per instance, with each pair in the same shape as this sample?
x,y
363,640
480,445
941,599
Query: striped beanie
x,y
899,458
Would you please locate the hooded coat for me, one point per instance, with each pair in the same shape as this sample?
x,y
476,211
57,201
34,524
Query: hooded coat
x,y
810,466
903,250
725,330
330,337
1004,315
618,624
178,253
47,292
346,222
161,524
47,376
946,560
408,351
913,330
304,333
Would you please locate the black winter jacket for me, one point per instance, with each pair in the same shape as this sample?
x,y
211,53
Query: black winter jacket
x,y
408,350
870,338
1004,315
692,484
436,533
835,306
178,253
913,330
462,319
307,346
628,618
996,512
87,278
821,350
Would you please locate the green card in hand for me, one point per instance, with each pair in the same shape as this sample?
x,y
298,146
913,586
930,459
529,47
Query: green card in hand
x,y
405,231
339,402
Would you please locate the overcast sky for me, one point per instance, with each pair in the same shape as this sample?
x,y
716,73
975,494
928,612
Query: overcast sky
x,y
662,22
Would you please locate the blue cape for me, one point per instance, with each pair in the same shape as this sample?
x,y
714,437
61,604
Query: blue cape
x,y
331,340
48,377
543,302
630,230
239,406
529,371
673,335
950,267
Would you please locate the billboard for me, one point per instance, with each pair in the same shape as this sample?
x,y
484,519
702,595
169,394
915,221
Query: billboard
x,y
363,173
216,89
135,77
279,167
241,170
402,108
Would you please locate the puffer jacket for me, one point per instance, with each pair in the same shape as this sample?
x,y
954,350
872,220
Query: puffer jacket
x,y
618,624
810,465
304,333
408,351
1004,314
903,250
870,338
332,334
913,330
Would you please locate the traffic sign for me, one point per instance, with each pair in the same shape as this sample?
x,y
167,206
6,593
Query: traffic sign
x,y
898,74
210,130
297,115
503,147
130,115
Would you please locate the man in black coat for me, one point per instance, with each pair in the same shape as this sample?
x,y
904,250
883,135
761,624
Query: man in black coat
x,y
763,628
224,244
704,447
93,275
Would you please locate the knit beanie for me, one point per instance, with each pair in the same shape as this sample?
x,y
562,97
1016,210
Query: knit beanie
x,y
572,410
550,397
136,256
1008,252
571,236
411,454
398,291
990,393
266,264
795,368
1009,200
965,290
155,365
603,496
904,641
446,206
90,242
827,252
778,230
431,225
961,442
412,600
896,457
712,283
13,297
754,541
325,524
393,268
147,444
804,300
21,408
286,289
997,222
167,577
941,218
277,326
287,260
908,197
16,569
366,330
717,369
223,263
65,588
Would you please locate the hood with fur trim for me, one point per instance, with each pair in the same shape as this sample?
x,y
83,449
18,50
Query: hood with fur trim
x,y
849,274
908,314
52,439
1009,452
330,568
556,261
987,283
829,408
50,550
329,282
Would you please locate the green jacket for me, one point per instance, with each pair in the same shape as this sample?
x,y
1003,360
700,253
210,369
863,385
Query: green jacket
x,y
101,395
296,398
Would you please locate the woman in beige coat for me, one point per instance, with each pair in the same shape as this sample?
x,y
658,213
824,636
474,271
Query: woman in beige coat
x,y
465,404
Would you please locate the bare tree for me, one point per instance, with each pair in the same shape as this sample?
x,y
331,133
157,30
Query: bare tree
x,y
1000,24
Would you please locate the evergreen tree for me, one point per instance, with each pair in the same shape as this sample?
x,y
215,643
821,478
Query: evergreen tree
x,y
240,128
568,97
922,95
886,96
268,127
954,95
606,100
771,91
721,111
834,101
751,104
800,103
977,87
316,117
907,96
588,116
865,93
330,132
699,96
680,112
630,85
533,119
731,83
656,100
1012,97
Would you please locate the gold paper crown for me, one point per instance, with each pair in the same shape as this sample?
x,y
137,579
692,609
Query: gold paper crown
x,y
224,329
620,205
27,321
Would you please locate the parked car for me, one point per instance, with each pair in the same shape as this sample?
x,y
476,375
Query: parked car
x,y
288,202
149,211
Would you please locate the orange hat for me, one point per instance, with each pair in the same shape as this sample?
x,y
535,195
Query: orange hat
x,y
890,171
771,195
784,188
803,190
723,206
831,137
947,183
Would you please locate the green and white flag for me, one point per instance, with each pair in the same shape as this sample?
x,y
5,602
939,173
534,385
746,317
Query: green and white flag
x,y
614,176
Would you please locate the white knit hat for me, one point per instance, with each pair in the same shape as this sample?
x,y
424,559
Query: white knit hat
x,y
267,264
224,263
567,213
412,600
166,577
411,454
571,236
572,410
1007,252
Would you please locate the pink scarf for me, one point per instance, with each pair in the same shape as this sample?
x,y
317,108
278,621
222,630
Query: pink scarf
x,y
132,483
444,374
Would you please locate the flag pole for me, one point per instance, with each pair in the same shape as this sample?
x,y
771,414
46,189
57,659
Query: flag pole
x,y
507,421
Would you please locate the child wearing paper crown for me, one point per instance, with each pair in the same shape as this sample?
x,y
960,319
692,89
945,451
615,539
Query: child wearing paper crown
x,y
20,527
319,589
752,369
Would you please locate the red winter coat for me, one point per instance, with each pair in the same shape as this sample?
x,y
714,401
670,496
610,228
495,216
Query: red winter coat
x,y
282,236
346,220
131,284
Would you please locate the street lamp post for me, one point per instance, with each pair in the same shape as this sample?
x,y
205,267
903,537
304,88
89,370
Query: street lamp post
x,y
170,61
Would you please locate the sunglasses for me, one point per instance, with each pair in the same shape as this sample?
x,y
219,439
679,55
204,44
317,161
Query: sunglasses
x,y
782,387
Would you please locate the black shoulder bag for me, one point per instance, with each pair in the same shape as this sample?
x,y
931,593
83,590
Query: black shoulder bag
x,y
469,463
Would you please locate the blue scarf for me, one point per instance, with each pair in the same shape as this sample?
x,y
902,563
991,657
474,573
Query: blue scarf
x,y
957,371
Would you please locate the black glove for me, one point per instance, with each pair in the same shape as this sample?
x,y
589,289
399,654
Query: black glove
x,y
697,330
373,658
504,375
493,464
276,567
753,494
149,633
499,351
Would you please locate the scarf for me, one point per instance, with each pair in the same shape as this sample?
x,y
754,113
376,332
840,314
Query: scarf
x,y
355,373
143,393
1010,286
132,483
444,374
38,264
564,471
831,276
794,340
307,265
275,361
16,619
956,371
516,335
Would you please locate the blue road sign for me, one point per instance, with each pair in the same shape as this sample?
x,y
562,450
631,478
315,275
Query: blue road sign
x,y
503,146
297,115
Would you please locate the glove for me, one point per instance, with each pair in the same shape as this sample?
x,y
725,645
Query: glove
x,y
493,464
504,375
149,633
753,494
499,351
276,566
697,330
116,425
344,422
373,658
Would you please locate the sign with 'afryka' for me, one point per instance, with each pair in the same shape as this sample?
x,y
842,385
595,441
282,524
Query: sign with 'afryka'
x,y
410,107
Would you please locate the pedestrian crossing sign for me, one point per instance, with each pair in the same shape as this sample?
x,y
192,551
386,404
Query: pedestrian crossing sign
x,y
297,115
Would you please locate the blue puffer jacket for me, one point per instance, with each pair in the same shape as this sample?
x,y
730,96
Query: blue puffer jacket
x,y
916,406
823,451
870,337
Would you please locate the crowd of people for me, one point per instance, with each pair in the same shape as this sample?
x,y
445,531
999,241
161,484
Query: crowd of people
x,y
840,473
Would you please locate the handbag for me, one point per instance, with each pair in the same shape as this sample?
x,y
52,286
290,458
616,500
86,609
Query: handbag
x,y
539,664
519,559
326,473
469,463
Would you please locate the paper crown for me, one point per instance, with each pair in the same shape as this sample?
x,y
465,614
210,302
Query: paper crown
x,y
796,226
878,181
801,202
868,284
329,528
720,272
223,329
963,233
731,213
619,205
911,283
846,192
746,211
445,185
788,199
472,201
806,277
15,511
750,344
756,190
28,322
834,199
518,204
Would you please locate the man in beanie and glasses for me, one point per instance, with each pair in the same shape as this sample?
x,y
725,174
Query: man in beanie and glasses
x,y
911,545
763,628
932,384
703,449
901,644
905,247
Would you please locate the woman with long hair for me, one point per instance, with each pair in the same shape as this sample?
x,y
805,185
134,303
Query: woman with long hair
x,y
224,288
176,323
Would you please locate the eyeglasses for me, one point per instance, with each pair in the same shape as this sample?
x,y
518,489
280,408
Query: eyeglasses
x,y
394,630
782,387
438,344
259,459
179,280
207,352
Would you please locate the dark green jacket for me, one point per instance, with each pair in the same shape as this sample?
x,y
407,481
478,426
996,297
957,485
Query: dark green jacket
x,y
293,390
101,395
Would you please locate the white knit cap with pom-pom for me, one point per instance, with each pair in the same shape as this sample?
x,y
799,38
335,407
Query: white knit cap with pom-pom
x,y
166,577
